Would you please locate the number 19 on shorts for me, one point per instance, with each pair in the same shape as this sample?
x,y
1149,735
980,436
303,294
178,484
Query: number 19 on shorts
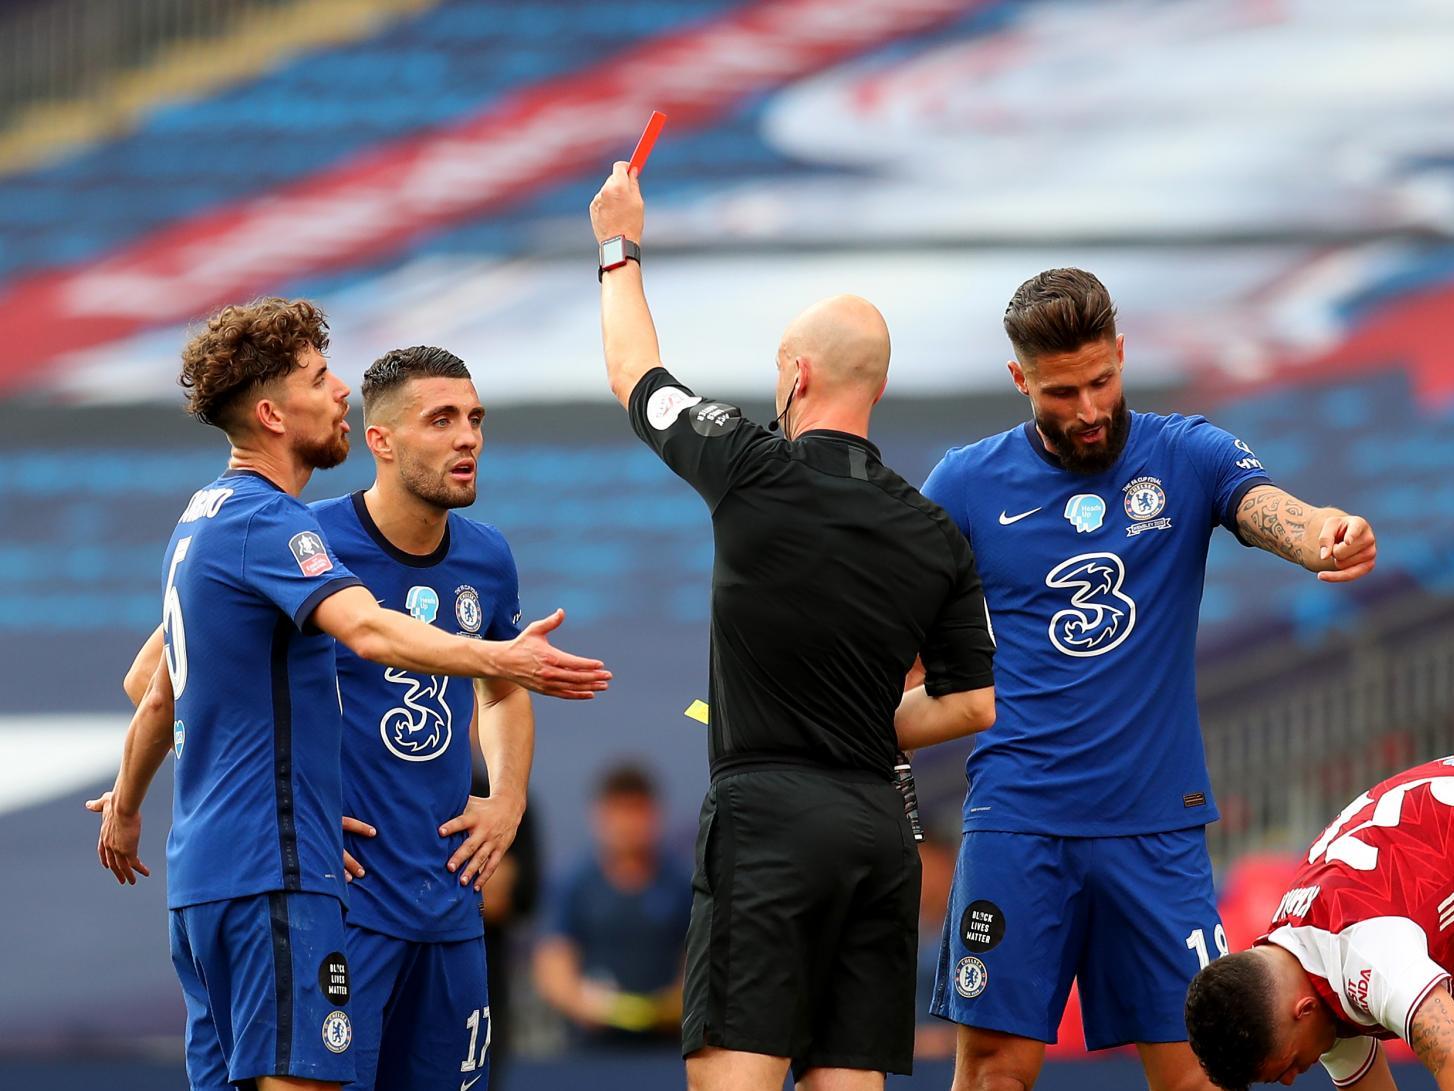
x,y
1197,942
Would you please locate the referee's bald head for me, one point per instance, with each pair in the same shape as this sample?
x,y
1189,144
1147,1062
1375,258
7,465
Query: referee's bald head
x,y
846,339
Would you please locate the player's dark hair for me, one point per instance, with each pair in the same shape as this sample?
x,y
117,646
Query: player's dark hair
x,y
395,368
1229,1018
1058,311
626,780
243,347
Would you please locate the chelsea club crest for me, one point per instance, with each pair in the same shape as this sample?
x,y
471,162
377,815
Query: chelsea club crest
x,y
467,609
970,977
1145,498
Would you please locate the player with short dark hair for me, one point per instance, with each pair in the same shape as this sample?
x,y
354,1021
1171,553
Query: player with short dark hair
x,y
1360,950
831,575
1090,525
246,694
415,938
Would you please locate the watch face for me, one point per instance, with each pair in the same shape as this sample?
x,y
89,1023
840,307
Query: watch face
x,y
613,252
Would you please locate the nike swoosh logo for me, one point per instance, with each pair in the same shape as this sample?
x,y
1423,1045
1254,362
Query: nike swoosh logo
x,y
1006,520
465,1085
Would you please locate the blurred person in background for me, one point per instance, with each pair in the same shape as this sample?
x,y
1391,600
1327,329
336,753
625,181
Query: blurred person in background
x,y
611,957
1360,950
246,691
1084,849
831,574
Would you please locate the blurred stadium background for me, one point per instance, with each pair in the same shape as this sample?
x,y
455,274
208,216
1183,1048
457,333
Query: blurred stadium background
x,y
1266,186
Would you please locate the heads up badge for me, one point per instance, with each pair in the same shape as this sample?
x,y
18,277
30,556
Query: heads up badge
x,y
1086,512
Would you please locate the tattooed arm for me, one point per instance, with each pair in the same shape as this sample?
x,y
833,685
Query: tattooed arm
x,y
1431,1033
1336,545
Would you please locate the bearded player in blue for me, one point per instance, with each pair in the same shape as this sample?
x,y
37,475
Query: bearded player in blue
x,y
415,936
1084,851
245,692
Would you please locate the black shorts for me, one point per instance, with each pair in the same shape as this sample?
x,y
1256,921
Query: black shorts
x,y
804,926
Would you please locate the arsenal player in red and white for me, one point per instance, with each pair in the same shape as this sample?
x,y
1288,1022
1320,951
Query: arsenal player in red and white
x,y
1360,949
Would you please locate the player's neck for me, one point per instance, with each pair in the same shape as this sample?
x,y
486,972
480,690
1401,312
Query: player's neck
x,y
285,472
409,523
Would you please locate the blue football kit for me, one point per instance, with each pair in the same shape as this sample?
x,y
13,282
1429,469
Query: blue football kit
x,y
255,882
415,936
1084,852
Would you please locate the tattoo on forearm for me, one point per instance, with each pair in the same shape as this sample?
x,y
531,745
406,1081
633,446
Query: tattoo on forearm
x,y
1274,521
1432,1033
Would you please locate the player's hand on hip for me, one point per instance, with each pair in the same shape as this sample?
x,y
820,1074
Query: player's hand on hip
x,y
119,842
618,208
352,869
1348,542
532,662
489,824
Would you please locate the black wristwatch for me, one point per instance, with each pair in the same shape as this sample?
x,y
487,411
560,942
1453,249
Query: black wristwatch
x,y
616,252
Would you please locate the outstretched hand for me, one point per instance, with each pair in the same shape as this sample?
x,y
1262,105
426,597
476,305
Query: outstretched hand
x,y
1348,540
119,842
530,661
618,208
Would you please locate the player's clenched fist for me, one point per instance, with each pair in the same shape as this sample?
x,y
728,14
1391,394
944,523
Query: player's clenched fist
x,y
618,209
1348,542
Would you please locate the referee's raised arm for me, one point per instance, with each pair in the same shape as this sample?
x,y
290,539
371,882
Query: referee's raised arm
x,y
617,215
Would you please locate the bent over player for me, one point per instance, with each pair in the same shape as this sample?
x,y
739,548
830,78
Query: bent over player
x,y
1090,525
831,575
1360,949
246,694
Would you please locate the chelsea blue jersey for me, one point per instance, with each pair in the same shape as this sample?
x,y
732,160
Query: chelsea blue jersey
x,y
1093,584
406,746
256,800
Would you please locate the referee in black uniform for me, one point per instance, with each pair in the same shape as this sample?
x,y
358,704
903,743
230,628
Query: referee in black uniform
x,y
831,575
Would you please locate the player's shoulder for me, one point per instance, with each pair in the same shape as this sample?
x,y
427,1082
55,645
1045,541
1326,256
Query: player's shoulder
x,y
475,535
333,510
1175,427
969,456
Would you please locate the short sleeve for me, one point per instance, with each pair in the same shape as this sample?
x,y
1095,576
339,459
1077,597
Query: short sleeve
x,y
959,649
505,620
702,442
941,488
1227,467
1350,1059
1388,970
286,560
560,916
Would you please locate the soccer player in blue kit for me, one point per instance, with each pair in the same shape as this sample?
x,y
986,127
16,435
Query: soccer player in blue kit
x,y
415,936
1084,850
246,694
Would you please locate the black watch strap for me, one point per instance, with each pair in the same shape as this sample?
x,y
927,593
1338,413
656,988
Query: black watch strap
x,y
616,252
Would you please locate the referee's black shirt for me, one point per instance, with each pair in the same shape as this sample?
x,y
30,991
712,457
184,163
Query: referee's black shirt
x,y
831,574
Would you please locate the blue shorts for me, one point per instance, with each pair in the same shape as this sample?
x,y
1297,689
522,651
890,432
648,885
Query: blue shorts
x,y
1133,918
421,1013
266,985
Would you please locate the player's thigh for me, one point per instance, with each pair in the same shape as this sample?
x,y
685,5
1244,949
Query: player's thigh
x,y
1156,925
276,980
1014,932
1172,1066
375,962
864,984
437,1031
990,1060
207,1044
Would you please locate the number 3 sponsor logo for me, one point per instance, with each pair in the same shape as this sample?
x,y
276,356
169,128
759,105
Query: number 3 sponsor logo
x,y
1100,617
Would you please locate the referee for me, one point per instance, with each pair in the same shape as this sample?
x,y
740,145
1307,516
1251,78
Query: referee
x,y
831,576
